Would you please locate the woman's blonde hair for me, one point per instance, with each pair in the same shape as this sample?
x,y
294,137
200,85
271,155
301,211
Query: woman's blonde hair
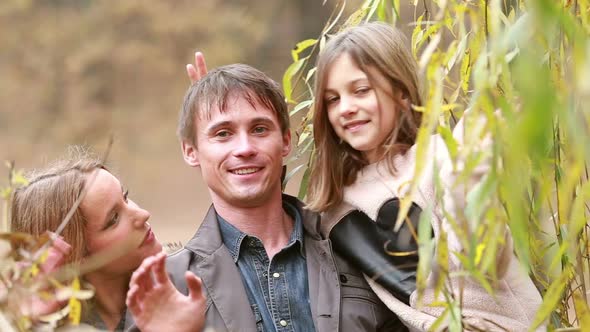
x,y
43,204
336,164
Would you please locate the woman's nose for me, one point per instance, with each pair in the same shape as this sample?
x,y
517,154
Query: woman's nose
x,y
141,216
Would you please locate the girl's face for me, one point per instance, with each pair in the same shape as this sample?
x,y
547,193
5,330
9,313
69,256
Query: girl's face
x,y
361,111
113,220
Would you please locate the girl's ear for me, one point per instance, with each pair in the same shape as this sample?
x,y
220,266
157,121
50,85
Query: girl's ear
x,y
404,98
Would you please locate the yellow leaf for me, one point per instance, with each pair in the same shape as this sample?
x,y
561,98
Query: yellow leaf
x,y
302,46
442,260
75,305
582,311
34,270
552,297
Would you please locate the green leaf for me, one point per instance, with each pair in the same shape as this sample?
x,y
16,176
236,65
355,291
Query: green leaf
x,y
291,173
302,46
373,8
300,106
451,143
332,24
304,183
291,71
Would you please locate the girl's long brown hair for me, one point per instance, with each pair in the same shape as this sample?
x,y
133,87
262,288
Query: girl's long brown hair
x,y
335,163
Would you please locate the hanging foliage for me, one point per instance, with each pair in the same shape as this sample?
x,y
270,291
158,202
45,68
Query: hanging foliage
x,y
523,66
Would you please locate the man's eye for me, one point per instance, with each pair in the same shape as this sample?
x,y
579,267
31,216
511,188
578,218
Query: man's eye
x,y
222,133
259,130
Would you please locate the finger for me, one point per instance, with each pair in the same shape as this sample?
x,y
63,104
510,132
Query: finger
x,y
56,253
138,274
55,258
159,269
200,64
143,278
61,245
144,268
195,286
191,71
132,300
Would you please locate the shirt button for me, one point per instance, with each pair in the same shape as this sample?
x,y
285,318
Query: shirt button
x,y
276,275
283,322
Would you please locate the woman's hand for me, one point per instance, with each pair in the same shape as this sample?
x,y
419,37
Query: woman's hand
x,y
157,305
57,253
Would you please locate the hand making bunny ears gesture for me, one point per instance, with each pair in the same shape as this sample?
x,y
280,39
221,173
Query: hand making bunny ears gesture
x,y
198,70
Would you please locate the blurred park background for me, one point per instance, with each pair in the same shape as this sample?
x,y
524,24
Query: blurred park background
x,y
79,71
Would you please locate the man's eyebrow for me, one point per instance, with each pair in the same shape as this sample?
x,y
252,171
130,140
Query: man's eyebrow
x,y
215,126
262,119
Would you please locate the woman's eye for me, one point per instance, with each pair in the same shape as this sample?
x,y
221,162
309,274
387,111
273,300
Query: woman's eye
x,y
114,221
126,196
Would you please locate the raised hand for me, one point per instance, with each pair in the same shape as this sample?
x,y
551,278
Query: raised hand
x,y
35,306
157,305
198,70
57,254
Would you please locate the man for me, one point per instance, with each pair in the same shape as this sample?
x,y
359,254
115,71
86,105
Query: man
x,y
262,261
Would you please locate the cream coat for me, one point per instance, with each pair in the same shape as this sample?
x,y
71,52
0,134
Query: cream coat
x,y
515,300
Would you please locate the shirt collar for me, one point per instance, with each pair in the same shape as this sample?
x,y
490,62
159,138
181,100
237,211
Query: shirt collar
x,y
233,237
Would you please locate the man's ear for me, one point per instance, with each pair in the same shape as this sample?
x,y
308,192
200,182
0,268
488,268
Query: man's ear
x,y
286,143
190,154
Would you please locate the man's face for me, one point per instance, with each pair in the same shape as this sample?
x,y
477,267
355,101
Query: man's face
x,y
240,152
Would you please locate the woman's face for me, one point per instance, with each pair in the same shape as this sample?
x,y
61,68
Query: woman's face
x,y
115,222
361,111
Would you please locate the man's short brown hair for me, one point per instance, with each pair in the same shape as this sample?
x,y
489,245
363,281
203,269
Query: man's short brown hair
x,y
214,89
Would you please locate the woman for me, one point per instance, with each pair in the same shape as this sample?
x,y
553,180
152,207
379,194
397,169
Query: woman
x,y
365,130
105,221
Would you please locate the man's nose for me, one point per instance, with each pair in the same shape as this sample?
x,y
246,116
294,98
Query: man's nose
x,y
245,146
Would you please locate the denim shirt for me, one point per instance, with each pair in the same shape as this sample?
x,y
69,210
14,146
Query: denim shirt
x,y
278,290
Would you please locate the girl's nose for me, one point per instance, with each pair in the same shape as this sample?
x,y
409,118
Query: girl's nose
x,y
347,106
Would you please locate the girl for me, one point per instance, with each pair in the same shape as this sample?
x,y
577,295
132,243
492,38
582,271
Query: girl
x,y
106,218
365,132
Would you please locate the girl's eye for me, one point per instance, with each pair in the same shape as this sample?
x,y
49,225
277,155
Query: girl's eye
x,y
361,90
331,99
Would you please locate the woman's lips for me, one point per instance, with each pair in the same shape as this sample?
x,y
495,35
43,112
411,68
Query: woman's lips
x,y
149,237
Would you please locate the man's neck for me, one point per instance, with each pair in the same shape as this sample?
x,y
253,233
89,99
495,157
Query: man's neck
x,y
269,222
